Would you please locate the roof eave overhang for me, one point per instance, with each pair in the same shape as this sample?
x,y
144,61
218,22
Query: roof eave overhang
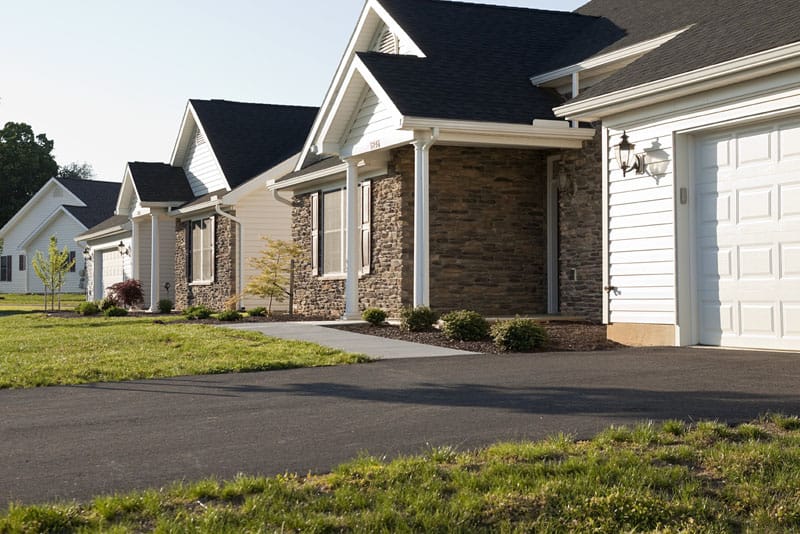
x,y
196,208
259,182
105,232
715,76
295,181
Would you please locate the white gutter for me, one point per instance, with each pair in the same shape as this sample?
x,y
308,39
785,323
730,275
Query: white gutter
x,y
297,180
240,284
557,130
720,75
280,199
102,233
195,208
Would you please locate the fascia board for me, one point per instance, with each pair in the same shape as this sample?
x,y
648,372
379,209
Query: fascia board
x,y
719,75
127,180
29,204
274,185
106,232
557,130
259,182
179,149
601,60
204,206
47,220
341,71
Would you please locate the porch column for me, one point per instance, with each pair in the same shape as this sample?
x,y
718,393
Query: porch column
x,y
155,271
351,283
422,291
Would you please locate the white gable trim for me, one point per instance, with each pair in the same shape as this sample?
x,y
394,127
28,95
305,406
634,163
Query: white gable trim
x,y
370,20
38,230
719,75
260,182
70,200
358,77
128,185
107,232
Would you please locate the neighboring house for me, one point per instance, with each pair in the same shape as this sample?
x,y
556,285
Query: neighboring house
x,y
444,169
703,246
202,216
64,208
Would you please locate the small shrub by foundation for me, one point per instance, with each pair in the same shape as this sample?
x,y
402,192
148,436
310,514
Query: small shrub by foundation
x,y
87,308
164,306
197,312
518,335
115,312
229,315
259,311
465,325
417,319
374,316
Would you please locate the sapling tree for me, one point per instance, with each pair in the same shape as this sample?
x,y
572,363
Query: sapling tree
x,y
52,271
273,264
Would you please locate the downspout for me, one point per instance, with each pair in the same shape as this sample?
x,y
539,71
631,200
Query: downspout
x,y
280,199
240,281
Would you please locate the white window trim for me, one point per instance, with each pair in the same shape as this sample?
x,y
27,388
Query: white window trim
x,y
190,249
364,226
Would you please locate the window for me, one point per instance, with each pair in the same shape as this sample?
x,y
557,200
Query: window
x,y
72,263
202,246
23,262
329,230
5,269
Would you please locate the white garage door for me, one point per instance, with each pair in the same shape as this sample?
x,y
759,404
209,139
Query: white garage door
x,y
748,237
113,264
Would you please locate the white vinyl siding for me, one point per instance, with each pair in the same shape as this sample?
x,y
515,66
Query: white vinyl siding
x,y
202,247
372,119
202,169
64,228
641,241
261,216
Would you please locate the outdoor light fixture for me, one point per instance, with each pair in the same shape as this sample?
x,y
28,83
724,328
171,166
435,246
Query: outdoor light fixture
x,y
87,254
123,250
627,159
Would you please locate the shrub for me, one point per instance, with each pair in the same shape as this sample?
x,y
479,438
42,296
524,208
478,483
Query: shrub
x,y
128,293
259,311
465,325
374,316
229,315
417,319
164,306
115,312
108,302
197,312
87,308
518,335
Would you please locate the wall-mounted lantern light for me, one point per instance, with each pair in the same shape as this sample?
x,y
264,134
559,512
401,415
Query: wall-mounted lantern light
x,y
123,250
87,254
627,158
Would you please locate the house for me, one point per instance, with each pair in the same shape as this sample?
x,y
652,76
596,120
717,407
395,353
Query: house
x,y
203,215
701,239
437,160
64,208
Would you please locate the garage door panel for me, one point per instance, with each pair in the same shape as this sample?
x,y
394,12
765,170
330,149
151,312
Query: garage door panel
x,y
748,240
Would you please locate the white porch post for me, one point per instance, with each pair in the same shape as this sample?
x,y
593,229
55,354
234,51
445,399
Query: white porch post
x,y
155,274
421,221
351,283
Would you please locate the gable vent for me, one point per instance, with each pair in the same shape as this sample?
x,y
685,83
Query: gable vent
x,y
386,42
199,138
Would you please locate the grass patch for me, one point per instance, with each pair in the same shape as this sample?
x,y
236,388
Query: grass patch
x,y
31,302
648,478
37,350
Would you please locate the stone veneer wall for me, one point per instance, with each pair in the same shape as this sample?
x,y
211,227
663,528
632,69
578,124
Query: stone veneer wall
x,y
487,236
580,227
217,293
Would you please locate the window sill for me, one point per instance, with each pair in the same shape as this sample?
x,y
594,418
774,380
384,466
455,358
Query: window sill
x,y
195,284
338,276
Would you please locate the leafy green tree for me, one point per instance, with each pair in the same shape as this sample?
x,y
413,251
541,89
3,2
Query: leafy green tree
x,y
78,171
26,164
52,271
274,265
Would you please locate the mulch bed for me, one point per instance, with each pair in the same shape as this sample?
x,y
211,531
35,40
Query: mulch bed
x,y
562,336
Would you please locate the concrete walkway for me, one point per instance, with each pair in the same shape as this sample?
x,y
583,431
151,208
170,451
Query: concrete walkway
x,y
377,347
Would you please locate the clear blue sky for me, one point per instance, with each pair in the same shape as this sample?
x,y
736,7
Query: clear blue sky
x,y
108,80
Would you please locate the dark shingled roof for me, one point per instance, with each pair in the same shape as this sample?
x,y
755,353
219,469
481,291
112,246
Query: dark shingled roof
x,y
249,139
159,182
479,59
100,199
111,222
721,30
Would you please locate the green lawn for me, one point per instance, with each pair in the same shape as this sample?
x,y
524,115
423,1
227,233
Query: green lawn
x,y
37,350
36,302
667,478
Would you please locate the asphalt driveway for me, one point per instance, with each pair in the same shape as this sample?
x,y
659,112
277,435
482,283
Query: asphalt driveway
x,y
76,442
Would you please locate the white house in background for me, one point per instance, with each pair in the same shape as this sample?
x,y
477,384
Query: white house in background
x,y
186,229
702,242
63,208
